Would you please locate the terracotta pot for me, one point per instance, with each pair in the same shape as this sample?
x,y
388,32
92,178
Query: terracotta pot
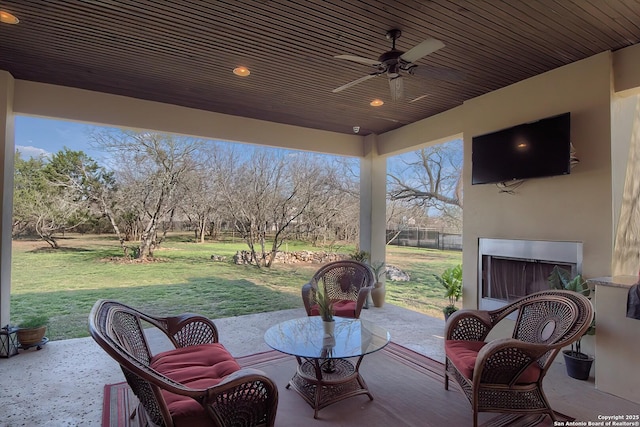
x,y
378,294
28,337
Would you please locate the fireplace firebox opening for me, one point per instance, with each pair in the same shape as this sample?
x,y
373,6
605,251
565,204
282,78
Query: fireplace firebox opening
x,y
511,269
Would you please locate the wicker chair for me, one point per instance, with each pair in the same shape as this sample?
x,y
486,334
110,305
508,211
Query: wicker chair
x,y
505,375
347,283
217,392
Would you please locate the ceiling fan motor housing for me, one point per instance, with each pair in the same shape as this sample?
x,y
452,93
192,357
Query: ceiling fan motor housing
x,y
393,63
389,62
390,57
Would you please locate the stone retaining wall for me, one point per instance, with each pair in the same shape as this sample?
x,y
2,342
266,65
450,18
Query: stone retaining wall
x,y
242,257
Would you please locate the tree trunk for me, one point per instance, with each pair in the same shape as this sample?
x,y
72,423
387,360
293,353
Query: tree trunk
x,y
107,212
201,226
51,241
146,240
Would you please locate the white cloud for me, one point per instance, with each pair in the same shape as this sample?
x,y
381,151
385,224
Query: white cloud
x,y
27,151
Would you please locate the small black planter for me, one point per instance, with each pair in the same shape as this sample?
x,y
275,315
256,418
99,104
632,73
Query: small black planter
x,y
578,364
448,311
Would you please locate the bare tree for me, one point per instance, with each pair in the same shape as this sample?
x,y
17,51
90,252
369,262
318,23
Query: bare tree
x,y
333,212
432,179
266,192
344,204
56,214
200,202
152,167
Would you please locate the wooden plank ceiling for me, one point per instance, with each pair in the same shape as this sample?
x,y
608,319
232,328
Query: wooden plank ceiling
x,y
183,52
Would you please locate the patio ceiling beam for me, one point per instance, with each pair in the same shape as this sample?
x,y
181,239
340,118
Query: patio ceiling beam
x,y
65,103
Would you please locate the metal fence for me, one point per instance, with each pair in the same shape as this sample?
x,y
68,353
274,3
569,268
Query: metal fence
x,y
425,238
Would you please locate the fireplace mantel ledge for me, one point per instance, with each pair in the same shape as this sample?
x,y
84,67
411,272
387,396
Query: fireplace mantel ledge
x,y
615,281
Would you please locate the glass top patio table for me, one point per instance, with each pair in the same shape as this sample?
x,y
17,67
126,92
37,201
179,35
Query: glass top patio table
x,y
305,337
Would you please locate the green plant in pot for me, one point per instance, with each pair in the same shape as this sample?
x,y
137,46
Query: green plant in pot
x,y
578,363
320,297
451,279
360,256
31,330
364,257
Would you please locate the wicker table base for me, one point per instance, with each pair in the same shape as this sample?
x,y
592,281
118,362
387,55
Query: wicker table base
x,y
322,382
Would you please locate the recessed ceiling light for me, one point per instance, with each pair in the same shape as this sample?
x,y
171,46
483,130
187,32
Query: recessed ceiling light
x,y
376,103
241,71
8,18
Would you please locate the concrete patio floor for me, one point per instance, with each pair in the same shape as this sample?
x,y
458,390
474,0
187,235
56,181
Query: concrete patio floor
x,y
62,384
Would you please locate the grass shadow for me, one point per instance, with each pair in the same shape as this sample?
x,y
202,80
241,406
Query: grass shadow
x,y
49,249
215,297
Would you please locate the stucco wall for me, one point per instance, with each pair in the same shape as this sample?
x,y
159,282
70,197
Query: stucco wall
x,y
575,207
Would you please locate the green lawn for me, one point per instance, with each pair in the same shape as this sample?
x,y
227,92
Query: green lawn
x,y
64,284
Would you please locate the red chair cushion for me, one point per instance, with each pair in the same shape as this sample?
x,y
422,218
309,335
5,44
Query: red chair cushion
x,y
463,355
342,308
198,367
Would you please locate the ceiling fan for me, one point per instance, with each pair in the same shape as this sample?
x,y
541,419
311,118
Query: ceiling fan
x,y
393,63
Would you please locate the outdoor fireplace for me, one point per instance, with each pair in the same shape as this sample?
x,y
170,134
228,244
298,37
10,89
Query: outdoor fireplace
x,y
511,269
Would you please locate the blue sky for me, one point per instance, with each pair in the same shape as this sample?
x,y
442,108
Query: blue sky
x,y
35,136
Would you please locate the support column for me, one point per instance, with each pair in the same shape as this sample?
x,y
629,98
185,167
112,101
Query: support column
x,y
373,190
7,149
625,170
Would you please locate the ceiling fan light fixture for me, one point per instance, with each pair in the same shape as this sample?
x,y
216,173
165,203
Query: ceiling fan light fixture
x,y
397,88
376,102
241,71
8,18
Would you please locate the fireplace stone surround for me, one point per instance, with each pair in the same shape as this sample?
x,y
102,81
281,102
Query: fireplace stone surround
x,y
509,269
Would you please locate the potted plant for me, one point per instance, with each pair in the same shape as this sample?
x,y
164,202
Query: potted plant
x,y
451,279
325,307
363,257
31,331
378,292
360,256
578,363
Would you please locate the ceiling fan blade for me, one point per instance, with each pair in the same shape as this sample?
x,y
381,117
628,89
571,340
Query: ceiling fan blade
x,y
355,82
358,59
397,88
418,98
391,120
386,118
423,49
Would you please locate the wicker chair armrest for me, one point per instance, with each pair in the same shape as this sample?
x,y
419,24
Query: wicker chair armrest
x,y
246,397
363,294
502,361
306,296
190,329
468,325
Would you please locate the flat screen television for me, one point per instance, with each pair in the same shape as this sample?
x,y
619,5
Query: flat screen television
x,y
530,150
